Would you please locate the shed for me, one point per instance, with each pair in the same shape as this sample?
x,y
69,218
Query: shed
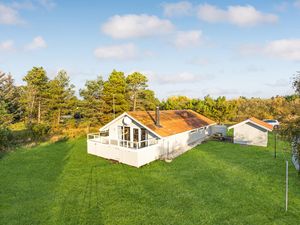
x,y
251,132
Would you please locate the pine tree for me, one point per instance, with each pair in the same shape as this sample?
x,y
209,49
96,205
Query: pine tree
x,y
35,92
136,84
93,103
61,97
114,95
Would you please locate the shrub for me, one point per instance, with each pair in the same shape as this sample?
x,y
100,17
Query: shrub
x,y
39,131
6,139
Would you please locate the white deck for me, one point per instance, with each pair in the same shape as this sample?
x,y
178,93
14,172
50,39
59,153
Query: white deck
x,y
131,153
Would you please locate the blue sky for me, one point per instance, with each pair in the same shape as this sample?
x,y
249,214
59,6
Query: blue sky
x,y
193,48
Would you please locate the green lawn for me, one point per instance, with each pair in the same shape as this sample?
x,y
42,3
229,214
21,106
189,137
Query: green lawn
x,y
215,183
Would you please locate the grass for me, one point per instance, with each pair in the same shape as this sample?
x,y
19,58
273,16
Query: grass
x,y
215,183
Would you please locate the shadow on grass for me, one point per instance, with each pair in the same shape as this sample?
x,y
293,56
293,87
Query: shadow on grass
x,y
28,178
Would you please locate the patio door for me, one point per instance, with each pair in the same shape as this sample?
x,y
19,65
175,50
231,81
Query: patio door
x,y
144,137
125,136
135,137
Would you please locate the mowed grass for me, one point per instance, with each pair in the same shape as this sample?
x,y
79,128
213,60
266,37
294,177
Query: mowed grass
x,y
214,183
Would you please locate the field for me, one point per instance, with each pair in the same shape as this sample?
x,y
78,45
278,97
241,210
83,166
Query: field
x,y
214,183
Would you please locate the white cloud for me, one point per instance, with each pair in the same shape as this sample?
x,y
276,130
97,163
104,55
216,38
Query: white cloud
x,y
9,16
135,26
238,15
177,9
288,49
37,43
117,52
7,46
190,38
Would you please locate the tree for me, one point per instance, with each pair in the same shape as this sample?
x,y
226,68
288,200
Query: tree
x,y
93,103
9,99
136,84
296,82
176,103
34,92
114,95
148,100
291,126
60,97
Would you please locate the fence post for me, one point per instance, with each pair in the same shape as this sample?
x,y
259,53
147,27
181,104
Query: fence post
x,y
286,184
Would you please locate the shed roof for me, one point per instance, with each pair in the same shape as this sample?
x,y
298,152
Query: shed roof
x,y
171,121
255,121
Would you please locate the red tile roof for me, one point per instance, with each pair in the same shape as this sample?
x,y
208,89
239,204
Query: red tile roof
x,y
172,121
261,123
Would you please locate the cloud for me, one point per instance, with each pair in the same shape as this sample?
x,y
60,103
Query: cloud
x,y
242,16
136,26
37,43
117,52
9,16
177,9
7,46
288,49
190,38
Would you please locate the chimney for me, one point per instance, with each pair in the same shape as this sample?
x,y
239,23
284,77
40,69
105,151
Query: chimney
x,y
157,117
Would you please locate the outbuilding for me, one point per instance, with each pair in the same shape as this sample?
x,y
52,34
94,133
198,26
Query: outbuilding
x,y
251,132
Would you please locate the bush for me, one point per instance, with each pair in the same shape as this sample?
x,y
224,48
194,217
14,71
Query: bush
x,y
39,131
6,139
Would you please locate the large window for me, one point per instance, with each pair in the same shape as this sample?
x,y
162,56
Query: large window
x,y
144,137
135,137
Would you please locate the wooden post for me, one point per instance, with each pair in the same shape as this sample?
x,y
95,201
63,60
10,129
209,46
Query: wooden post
x,y
286,184
275,144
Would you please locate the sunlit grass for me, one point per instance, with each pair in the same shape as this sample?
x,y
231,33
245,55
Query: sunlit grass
x,y
215,183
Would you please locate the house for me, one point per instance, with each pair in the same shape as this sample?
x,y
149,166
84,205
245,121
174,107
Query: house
x,y
140,137
251,132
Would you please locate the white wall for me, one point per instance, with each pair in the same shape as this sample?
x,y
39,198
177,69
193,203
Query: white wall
x,y
183,141
139,157
132,157
250,134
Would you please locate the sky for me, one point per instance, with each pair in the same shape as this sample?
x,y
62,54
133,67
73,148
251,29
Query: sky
x,y
192,48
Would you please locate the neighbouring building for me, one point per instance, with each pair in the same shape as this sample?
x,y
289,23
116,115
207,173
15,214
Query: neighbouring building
x,y
140,137
251,132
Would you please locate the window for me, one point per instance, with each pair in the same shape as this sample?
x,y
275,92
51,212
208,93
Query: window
x,y
144,137
193,131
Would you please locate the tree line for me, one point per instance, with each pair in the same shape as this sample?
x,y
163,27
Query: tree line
x,y
45,105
